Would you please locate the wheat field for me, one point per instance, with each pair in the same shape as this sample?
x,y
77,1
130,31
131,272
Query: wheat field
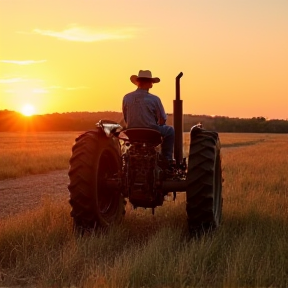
x,y
33,153
38,249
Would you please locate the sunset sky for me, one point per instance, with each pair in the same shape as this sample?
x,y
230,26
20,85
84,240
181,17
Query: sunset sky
x,y
63,56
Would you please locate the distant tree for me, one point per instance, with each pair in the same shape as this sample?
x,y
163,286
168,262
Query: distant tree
x,y
82,121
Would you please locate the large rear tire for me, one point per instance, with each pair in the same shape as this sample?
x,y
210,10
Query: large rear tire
x,y
204,190
95,158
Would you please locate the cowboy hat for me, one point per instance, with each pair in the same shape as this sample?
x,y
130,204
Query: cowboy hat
x,y
144,74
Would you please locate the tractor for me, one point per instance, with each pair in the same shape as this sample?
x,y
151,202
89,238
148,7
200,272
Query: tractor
x,y
111,165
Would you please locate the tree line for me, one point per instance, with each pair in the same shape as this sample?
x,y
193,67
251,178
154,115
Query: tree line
x,y
11,121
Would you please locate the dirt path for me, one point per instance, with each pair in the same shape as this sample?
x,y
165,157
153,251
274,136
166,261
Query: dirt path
x,y
21,194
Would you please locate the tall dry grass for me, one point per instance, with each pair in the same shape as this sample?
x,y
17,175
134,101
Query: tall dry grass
x,y
248,250
26,153
33,153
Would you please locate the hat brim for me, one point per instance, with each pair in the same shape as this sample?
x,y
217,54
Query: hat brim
x,y
134,79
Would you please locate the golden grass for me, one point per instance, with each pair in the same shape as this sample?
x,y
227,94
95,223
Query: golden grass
x,y
248,250
33,153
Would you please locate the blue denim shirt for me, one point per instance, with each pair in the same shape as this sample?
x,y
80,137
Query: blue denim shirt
x,y
143,109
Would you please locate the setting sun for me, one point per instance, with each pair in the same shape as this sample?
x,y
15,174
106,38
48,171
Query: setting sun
x,y
28,110
233,55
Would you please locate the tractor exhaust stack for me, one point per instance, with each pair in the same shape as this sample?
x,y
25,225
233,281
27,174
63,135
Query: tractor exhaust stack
x,y
178,124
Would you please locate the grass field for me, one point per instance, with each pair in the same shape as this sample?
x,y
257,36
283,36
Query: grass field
x,y
33,153
248,250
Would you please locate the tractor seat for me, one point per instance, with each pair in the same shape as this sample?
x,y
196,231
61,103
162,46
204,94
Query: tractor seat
x,y
144,135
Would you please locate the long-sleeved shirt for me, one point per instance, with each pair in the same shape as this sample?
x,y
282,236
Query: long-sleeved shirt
x,y
143,109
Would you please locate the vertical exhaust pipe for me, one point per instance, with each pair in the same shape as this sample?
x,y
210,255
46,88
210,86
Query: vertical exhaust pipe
x,y
178,123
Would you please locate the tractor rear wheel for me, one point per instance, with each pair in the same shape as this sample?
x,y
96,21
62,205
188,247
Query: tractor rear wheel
x,y
204,190
95,157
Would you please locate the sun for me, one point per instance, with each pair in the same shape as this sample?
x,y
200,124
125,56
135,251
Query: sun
x,y
28,110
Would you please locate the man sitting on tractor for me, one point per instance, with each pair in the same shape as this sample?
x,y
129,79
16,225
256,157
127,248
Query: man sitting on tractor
x,y
143,109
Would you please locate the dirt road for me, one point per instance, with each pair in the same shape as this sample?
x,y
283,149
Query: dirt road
x,y
21,194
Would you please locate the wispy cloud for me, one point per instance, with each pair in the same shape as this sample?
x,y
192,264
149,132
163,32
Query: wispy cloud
x,y
76,88
27,90
11,80
35,90
54,87
23,62
86,34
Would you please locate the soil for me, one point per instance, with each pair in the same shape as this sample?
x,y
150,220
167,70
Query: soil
x,y
26,193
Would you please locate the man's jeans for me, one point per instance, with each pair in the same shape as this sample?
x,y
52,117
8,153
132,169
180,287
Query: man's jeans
x,y
168,135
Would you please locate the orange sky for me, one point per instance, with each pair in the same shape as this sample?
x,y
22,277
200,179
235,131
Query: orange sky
x,y
62,56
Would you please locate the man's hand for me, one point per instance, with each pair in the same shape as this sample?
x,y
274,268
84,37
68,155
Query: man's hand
x,y
123,123
162,122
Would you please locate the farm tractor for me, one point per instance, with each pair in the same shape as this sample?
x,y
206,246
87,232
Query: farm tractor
x,y
110,165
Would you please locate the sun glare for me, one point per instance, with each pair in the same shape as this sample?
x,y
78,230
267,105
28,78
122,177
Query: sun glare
x,y
28,110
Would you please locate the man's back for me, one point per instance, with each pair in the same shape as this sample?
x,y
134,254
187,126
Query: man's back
x,y
143,109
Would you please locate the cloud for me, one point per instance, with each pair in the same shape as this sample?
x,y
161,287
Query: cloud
x,y
28,91
11,80
54,87
85,34
23,62
19,80
76,88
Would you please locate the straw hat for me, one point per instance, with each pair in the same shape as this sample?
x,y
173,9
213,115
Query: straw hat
x,y
144,74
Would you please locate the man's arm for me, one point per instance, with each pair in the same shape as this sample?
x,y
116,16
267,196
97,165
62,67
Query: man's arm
x,y
162,121
162,117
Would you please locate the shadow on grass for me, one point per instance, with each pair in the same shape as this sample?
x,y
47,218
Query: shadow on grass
x,y
139,225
